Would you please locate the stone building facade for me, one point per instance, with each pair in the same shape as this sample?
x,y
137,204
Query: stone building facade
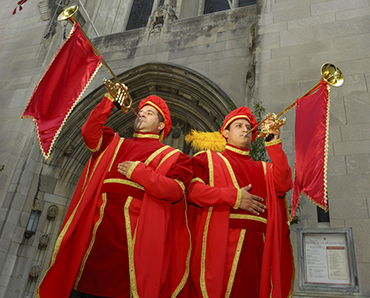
x,y
204,57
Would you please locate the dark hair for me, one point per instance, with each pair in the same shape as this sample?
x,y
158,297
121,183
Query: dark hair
x,y
160,117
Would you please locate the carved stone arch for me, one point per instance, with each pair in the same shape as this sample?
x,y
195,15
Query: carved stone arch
x,y
194,102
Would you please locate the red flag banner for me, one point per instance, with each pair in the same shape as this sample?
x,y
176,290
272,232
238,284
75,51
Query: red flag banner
x,y
311,147
61,87
19,6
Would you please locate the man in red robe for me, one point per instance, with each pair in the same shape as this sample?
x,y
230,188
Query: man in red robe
x,y
239,228
120,237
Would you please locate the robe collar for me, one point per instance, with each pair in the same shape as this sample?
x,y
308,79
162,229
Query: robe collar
x,y
237,150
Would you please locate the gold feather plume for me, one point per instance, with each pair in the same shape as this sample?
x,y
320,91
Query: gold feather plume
x,y
206,140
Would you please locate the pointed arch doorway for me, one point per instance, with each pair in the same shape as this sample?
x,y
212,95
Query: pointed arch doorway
x,y
194,102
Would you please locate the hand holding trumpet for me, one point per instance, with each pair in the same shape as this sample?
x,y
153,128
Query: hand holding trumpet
x,y
271,127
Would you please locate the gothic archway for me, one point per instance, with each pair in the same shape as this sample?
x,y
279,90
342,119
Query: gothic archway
x,y
194,102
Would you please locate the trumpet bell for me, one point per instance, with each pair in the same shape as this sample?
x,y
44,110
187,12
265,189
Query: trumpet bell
x,y
69,14
332,75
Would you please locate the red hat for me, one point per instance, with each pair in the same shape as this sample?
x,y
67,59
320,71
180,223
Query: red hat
x,y
241,113
160,105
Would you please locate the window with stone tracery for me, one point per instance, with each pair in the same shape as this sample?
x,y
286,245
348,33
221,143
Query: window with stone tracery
x,y
211,6
140,13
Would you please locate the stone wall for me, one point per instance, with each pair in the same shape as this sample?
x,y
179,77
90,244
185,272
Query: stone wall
x,y
294,39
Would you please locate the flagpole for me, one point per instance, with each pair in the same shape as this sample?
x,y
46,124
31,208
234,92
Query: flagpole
x,y
69,15
330,74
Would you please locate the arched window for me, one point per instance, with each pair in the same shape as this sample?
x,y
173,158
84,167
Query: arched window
x,y
140,13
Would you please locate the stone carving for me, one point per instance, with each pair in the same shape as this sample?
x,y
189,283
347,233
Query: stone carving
x,y
35,271
162,16
52,212
44,240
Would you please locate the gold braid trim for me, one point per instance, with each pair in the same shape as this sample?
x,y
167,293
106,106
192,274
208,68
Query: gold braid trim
x,y
130,248
168,156
235,263
197,179
115,153
236,150
97,224
154,154
124,181
238,200
64,230
146,136
132,168
265,172
250,217
187,270
203,260
272,143
110,97
181,184
98,146
235,182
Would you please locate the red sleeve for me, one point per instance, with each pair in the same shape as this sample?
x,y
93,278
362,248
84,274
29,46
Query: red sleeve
x,y
203,195
281,171
97,136
170,187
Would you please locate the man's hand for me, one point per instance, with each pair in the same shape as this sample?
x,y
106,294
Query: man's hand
x,y
124,166
276,132
251,202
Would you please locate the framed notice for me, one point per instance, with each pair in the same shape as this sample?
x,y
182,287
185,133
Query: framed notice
x,y
326,260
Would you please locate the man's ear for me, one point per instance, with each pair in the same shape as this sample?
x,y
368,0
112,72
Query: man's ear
x,y
161,126
225,133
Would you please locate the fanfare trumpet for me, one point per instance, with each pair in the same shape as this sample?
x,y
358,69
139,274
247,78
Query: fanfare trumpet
x,y
330,74
122,99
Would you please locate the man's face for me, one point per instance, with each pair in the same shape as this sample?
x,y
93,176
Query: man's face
x,y
235,136
149,120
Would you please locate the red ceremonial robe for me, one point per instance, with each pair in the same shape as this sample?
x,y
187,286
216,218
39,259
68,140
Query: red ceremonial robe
x,y
121,236
226,261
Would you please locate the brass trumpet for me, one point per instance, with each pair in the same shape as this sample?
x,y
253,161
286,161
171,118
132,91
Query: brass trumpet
x,y
330,74
122,99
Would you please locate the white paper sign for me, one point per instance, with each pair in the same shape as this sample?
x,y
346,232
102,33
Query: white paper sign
x,y
326,259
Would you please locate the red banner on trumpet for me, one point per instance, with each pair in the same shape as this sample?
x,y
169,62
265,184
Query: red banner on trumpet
x,y
311,147
61,87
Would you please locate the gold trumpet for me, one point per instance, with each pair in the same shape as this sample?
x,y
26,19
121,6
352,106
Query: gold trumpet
x,y
122,99
330,74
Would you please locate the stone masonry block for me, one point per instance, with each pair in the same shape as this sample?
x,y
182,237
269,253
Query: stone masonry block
x,y
358,164
269,41
357,107
290,14
349,186
348,208
47,184
337,5
351,47
347,148
9,264
54,199
353,13
276,27
363,269
361,235
311,21
288,4
300,36
336,165
337,114
335,134
275,65
265,19
355,132
304,60
349,27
